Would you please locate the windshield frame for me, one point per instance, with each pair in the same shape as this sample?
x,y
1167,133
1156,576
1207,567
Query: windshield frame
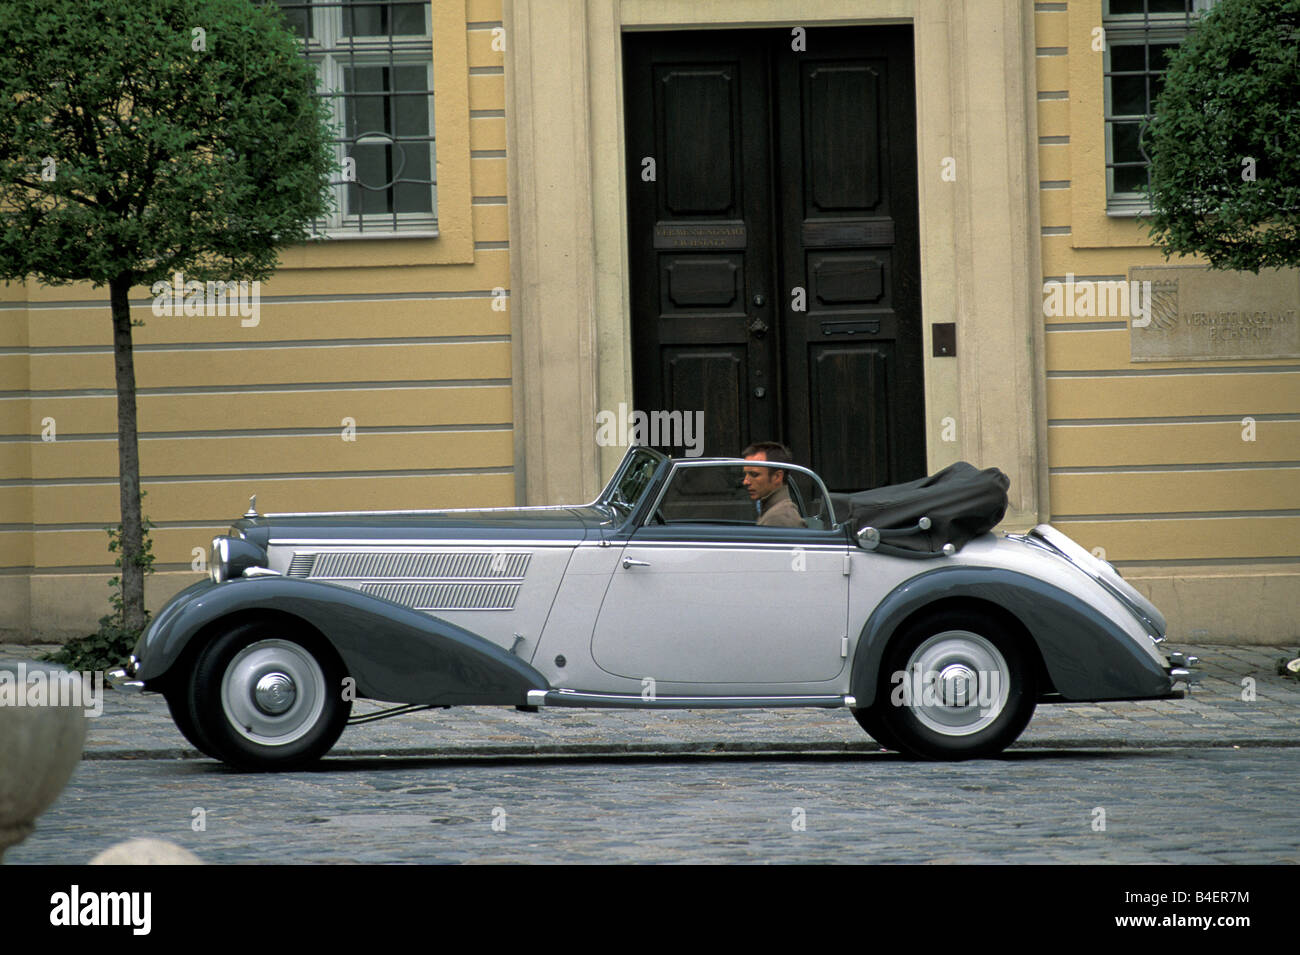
x,y
612,498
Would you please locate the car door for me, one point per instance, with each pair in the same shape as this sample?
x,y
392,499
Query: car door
x,y
703,596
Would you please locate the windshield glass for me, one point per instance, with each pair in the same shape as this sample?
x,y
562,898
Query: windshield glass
x,y
633,478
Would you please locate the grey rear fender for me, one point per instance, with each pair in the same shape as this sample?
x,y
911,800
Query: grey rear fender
x,y
392,652
1085,655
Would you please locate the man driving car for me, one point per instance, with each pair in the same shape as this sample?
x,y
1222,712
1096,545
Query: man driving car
x,y
766,486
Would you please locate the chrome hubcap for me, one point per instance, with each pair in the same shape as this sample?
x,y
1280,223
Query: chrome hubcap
x,y
958,685
959,682
273,692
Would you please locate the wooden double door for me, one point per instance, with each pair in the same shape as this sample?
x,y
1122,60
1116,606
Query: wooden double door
x,y
774,259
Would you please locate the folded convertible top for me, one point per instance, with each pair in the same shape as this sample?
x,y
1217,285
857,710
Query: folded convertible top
x,y
957,504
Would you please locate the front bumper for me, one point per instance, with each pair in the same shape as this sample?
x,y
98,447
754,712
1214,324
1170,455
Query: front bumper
x,y
1182,669
122,678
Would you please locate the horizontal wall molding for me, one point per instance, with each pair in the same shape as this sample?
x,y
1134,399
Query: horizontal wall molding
x,y
1209,562
1175,469
93,569
146,301
1179,419
268,433
1173,516
248,345
261,388
250,476
1154,372
1084,326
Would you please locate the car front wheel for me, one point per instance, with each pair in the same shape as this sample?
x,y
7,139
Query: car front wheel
x,y
268,698
954,685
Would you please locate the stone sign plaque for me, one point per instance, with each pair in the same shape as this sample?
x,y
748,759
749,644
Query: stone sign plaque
x,y
721,236
1197,313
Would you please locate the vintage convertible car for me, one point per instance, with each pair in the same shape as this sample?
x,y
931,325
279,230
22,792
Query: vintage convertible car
x,y
898,604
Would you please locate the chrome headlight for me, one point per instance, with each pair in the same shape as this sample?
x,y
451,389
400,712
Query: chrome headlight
x,y
231,557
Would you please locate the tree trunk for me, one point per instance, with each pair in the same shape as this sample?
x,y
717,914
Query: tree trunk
x,y
128,457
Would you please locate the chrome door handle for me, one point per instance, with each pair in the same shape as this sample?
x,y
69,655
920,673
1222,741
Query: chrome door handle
x,y
629,562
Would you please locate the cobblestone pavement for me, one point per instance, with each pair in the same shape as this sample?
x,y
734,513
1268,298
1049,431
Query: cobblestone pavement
x,y
1210,778
1202,805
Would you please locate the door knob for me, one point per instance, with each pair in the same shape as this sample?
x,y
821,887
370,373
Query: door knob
x,y
759,301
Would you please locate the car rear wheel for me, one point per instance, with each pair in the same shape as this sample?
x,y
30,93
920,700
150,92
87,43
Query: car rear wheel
x,y
954,685
268,697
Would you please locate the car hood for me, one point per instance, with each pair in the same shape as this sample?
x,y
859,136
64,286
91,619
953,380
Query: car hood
x,y
516,523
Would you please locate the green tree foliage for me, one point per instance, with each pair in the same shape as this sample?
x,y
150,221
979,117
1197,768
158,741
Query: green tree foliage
x,y
112,643
1225,141
140,138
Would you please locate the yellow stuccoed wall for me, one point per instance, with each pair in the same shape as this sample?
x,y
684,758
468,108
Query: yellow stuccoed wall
x,y
1147,460
397,334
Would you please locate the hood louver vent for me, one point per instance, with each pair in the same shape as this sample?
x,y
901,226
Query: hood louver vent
x,y
404,566
430,581
447,596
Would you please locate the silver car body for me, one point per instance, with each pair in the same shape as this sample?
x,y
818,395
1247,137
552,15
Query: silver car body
x,y
609,605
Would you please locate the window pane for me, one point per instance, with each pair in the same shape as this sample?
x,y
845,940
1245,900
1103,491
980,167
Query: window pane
x,y
1160,53
298,15
1138,7
388,125
1128,96
393,18
372,60
1125,148
1130,178
1127,58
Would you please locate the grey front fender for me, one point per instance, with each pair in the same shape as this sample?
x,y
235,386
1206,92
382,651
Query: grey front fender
x,y
1088,656
392,652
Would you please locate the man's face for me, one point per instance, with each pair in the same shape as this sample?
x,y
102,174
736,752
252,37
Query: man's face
x,y
760,482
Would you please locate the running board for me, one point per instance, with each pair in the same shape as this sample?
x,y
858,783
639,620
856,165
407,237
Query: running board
x,y
640,702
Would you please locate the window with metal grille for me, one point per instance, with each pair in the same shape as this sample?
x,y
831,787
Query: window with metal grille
x,y
1140,36
374,64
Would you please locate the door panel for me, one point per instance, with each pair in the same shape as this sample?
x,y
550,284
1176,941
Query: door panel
x,y
715,614
852,359
712,378
777,171
701,230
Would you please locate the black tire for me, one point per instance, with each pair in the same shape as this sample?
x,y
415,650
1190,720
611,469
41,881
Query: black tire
x,y
178,706
952,650
869,721
268,697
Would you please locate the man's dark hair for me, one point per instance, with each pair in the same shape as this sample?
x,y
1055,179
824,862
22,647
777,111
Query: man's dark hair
x,y
772,451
